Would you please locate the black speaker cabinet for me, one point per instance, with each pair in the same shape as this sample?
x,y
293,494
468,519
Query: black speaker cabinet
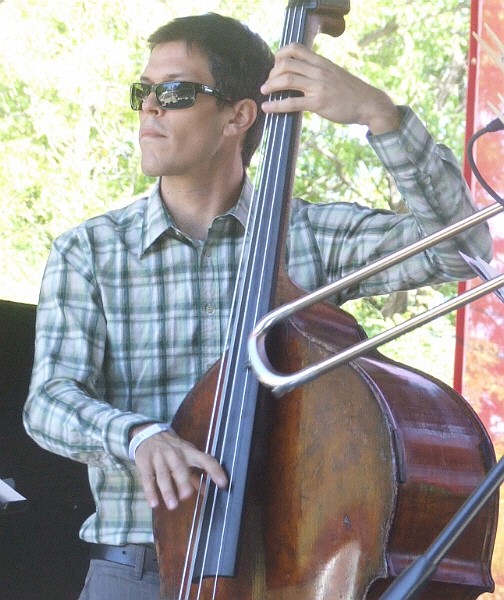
x,y
41,556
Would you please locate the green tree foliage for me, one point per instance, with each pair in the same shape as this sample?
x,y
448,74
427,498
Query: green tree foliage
x,y
418,53
69,139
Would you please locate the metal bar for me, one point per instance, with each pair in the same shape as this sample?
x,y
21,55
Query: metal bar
x,y
282,383
285,311
411,581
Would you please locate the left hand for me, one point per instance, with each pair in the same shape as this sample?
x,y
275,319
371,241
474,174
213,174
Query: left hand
x,y
328,90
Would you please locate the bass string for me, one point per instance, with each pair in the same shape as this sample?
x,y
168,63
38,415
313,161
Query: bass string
x,y
194,537
260,213
276,132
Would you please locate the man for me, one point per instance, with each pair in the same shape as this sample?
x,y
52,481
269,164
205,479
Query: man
x,y
134,303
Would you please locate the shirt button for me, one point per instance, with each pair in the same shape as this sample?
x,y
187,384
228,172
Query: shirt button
x,y
208,253
209,309
409,148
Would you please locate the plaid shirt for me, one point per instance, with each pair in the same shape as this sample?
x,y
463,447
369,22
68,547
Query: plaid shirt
x,y
132,312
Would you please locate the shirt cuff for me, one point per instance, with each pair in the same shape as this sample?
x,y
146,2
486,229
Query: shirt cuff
x,y
406,150
116,433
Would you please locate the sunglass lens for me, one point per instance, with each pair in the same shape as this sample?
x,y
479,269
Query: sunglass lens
x,y
138,92
170,95
175,95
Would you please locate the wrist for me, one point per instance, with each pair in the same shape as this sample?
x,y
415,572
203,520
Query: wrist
x,y
138,428
139,434
385,120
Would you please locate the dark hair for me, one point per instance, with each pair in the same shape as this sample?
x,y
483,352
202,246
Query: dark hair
x,y
239,60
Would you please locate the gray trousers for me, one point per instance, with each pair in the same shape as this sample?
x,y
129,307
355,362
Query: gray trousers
x,y
111,581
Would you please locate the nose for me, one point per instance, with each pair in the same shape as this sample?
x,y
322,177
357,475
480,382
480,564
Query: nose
x,y
150,104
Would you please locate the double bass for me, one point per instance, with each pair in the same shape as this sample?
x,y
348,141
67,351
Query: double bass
x,y
337,486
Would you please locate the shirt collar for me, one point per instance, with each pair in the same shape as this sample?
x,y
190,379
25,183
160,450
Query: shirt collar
x,y
157,219
241,209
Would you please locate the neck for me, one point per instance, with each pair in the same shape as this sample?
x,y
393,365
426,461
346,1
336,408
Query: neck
x,y
194,204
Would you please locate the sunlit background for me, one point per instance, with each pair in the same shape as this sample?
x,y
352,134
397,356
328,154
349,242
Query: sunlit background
x,y
69,140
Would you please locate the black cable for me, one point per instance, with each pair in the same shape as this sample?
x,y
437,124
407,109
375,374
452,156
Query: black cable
x,y
495,125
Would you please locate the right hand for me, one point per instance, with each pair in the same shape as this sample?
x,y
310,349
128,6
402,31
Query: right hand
x,y
166,464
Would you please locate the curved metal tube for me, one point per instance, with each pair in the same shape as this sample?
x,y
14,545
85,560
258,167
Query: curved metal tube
x,y
281,383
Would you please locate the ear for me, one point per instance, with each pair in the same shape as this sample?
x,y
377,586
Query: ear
x,y
243,115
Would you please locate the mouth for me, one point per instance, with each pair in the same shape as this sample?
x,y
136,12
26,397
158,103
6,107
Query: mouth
x,y
149,133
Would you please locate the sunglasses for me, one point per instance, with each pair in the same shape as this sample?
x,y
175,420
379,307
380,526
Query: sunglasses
x,y
171,95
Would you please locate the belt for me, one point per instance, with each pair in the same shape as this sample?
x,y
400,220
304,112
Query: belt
x,y
132,555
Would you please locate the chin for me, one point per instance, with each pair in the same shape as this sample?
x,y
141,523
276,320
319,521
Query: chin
x,y
151,170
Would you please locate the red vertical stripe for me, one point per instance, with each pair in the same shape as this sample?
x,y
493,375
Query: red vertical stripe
x,y
458,372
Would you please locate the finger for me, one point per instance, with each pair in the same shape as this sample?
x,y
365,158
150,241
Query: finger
x,y
175,485
187,457
211,465
286,81
155,468
297,59
311,87
290,75
150,488
287,73
167,463
286,105
180,483
298,51
175,476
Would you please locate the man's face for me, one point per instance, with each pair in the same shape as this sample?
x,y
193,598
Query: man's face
x,y
183,142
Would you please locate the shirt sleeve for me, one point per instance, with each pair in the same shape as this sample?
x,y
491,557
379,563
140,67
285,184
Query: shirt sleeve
x,y
429,179
65,412
350,236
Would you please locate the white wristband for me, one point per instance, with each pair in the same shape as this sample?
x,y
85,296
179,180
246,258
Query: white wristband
x,y
146,433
